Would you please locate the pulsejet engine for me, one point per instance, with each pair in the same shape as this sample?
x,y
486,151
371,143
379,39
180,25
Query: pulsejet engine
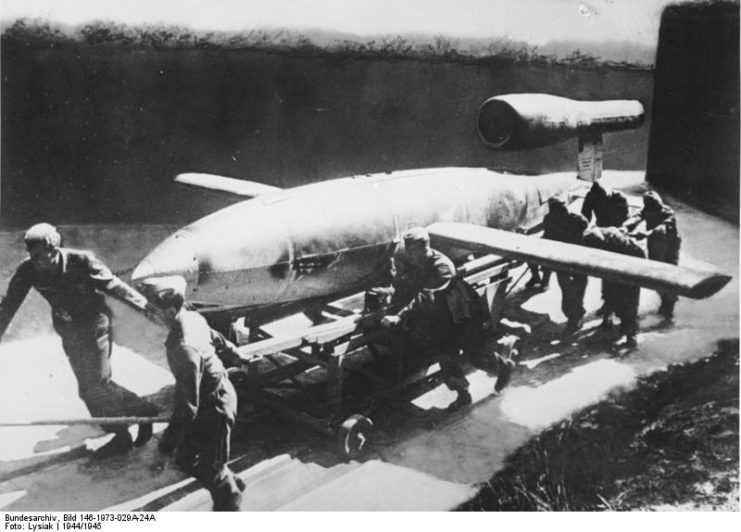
x,y
512,122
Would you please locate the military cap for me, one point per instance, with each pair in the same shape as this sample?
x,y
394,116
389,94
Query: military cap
x,y
417,235
164,291
42,233
593,237
556,202
652,197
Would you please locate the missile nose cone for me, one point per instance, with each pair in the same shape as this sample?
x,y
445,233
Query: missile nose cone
x,y
144,270
174,256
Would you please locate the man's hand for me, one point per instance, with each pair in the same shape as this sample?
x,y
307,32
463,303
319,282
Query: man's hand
x,y
639,235
390,321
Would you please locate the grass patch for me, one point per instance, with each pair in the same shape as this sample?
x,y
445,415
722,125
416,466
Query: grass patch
x,y
670,442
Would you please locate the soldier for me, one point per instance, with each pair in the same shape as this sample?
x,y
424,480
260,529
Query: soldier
x,y
564,226
444,313
610,208
663,240
619,298
205,401
73,282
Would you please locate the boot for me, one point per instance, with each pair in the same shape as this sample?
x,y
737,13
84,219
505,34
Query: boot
x,y
545,281
145,429
227,497
572,327
464,399
120,444
630,341
505,375
667,310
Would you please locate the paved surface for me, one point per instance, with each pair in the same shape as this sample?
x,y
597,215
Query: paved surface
x,y
424,458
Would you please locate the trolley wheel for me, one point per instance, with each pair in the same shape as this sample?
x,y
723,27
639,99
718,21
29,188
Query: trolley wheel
x,y
354,435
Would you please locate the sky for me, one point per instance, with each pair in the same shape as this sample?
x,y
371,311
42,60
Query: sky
x,y
533,21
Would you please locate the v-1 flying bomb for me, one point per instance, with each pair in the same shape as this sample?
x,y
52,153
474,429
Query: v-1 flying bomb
x,y
283,249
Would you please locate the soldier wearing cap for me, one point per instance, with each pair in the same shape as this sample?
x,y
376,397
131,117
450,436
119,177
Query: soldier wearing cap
x,y
205,401
620,299
443,313
663,239
564,226
610,208
73,282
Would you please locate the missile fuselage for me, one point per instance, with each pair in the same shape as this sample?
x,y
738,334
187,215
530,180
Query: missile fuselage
x,y
336,237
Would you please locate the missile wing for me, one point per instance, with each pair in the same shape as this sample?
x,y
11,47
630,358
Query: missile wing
x,y
689,282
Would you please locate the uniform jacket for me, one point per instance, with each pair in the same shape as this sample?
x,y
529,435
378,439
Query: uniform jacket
x,y
434,293
74,291
568,228
663,237
609,211
194,354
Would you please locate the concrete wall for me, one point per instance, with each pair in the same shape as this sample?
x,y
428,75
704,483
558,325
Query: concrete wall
x,y
694,146
96,133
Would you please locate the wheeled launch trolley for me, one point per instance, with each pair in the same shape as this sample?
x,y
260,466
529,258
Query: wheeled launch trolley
x,y
332,375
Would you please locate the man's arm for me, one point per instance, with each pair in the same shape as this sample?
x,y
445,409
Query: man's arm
x,y
186,367
621,205
108,283
443,272
633,222
402,283
225,350
581,223
18,287
667,226
105,281
586,206
403,297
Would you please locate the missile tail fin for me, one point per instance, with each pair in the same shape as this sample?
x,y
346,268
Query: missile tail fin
x,y
229,185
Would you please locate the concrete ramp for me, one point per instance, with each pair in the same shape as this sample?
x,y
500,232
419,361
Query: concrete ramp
x,y
371,486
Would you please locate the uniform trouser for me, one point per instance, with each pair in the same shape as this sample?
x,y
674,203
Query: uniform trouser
x,y
87,344
539,274
668,299
623,300
445,350
204,451
446,344
572,295
439,342
474,345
